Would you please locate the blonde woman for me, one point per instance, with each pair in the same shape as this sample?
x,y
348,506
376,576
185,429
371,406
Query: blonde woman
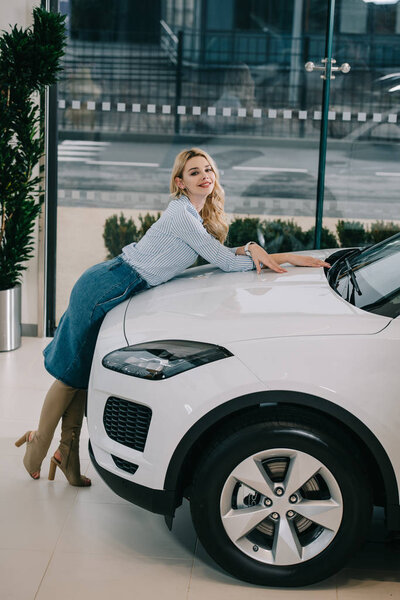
x,y
193,224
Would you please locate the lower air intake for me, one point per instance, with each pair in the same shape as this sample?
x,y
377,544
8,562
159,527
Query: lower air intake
x,y
125,465
127,422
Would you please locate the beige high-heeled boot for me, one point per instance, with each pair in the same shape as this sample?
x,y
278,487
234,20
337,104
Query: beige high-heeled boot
x,y
57,400
71,426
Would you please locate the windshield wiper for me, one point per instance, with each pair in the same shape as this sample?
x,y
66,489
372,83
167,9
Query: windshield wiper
x,y
343,254
353,278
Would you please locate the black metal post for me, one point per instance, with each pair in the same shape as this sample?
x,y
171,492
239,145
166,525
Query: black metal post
x,y
324,123
51,221
178,81
51,130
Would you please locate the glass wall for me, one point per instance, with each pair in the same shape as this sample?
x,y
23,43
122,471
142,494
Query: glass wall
x,y
149,79
362,175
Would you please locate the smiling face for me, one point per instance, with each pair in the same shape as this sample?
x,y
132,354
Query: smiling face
x,y
198,178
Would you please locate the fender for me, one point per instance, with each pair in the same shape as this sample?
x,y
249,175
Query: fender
x,y
276,398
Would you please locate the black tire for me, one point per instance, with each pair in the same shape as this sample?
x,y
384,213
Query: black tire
x,y
342,469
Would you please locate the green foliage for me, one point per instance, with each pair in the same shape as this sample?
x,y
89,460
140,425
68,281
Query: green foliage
x,y
282,236
146,222
29,61
328,239
380,231
242,231
119,231
277,235
351,233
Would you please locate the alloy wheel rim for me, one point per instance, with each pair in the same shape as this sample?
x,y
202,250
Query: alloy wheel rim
x,y
281,506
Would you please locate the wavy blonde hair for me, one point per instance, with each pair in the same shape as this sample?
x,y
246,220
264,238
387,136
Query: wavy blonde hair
x,y
212,213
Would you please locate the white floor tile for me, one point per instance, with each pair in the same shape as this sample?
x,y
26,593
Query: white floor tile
x,y
121,530
21,572
21,489
94,577
33,525
21,403
24,367
368,585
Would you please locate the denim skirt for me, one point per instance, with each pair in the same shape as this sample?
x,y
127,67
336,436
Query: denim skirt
x,y
69,355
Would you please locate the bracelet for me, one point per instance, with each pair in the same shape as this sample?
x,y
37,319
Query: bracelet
x,y
246,248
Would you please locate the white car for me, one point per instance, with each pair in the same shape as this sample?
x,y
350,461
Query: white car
x,y
270,401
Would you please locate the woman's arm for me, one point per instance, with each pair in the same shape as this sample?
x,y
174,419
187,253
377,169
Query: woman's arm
x,y
299,260
262,259
186,227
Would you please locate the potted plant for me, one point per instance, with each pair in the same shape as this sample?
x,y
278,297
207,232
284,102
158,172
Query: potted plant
x,y
29,61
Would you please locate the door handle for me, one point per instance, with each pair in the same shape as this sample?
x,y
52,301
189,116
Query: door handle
x,y
310,66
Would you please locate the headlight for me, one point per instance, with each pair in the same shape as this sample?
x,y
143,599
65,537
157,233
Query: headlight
x,y
162,359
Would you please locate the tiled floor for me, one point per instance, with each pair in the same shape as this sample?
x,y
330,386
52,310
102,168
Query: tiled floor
x,y
60,542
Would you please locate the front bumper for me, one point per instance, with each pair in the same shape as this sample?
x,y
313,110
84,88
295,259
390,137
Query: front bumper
x,y
163,502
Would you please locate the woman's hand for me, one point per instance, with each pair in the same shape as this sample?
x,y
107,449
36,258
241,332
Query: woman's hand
x,y
305,261
262,259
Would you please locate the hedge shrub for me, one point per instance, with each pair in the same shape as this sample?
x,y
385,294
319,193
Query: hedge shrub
x,y
146,222
282,236
328,239
242,231
275,236
380,231
351,233
119,231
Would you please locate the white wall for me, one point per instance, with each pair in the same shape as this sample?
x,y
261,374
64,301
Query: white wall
x,y
16,12
19,12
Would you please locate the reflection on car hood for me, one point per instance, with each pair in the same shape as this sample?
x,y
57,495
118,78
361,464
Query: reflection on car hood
x,y
205,304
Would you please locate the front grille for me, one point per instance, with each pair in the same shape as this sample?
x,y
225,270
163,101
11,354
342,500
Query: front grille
x,y
125,465
127,423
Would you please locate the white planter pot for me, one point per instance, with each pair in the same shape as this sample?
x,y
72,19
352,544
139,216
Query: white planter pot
x,y
10,318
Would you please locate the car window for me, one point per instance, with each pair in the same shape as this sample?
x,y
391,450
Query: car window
x,y
370,279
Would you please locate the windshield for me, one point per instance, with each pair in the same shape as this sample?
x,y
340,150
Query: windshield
x,y
370,279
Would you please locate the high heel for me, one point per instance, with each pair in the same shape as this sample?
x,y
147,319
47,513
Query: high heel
x,y
52,469
34,453
82,481
23,439
69,465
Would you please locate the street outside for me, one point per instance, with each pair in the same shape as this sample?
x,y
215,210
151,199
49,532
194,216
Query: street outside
x,y
272,180
257,179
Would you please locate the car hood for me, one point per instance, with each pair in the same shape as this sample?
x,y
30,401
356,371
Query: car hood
x,y
205,304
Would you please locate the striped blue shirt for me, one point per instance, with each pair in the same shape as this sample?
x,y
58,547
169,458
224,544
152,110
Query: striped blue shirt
x,y
173,243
